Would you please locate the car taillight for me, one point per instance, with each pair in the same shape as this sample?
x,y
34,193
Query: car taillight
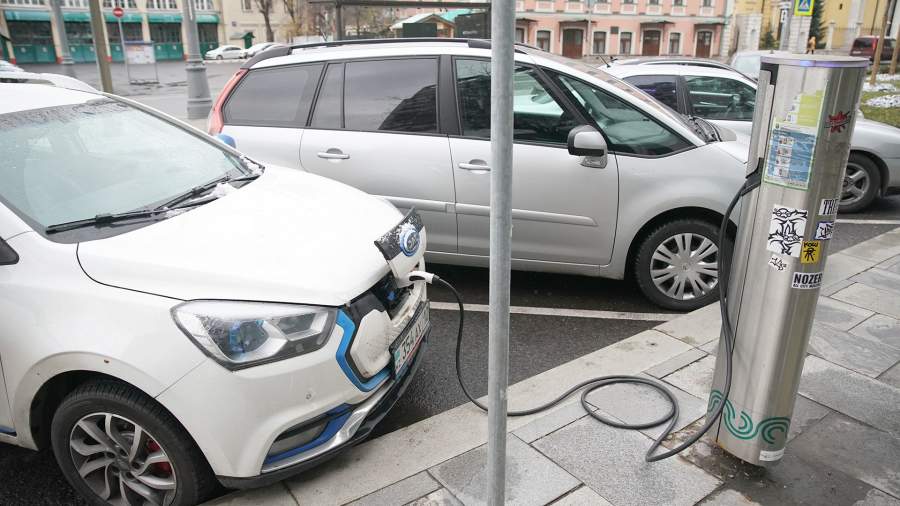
x,y
216,120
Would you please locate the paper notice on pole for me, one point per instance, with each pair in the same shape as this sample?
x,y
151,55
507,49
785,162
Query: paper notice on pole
x,y
139,54
793,143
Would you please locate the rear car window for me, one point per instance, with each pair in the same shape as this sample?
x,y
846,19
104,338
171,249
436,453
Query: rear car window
x,y
662,88
279,97
391,95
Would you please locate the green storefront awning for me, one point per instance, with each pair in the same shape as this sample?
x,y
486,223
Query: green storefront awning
x,y
163,17
208,18
77,17
27,15
127,18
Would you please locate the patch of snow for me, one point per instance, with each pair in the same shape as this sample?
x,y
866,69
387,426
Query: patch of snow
x,y
885,101
887,77
882,86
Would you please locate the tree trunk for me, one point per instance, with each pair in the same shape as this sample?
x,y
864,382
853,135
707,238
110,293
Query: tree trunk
x,y
270,35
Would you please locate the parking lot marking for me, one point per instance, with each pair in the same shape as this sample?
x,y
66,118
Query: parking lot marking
x,y
552,311
869,222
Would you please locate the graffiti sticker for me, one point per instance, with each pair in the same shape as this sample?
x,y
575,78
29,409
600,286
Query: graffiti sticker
x,y
786,230
806,280
811,252
777,263
824,230
828,207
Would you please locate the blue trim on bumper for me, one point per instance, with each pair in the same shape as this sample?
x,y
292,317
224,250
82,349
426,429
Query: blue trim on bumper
x,y
330,430
7,431
349,329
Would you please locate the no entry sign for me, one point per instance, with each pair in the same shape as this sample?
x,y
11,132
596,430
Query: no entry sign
x,y
118,12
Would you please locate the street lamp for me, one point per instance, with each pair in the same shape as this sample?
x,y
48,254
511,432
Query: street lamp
x,y
199,102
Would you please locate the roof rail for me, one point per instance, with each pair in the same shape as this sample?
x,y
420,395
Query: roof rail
x,y
282,51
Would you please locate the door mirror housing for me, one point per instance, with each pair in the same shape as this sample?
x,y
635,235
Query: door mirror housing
x,y
8,256
586,141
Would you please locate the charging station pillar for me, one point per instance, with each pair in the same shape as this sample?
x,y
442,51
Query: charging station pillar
x,y
806,106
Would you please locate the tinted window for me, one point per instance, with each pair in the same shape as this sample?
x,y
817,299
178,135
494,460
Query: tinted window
x,y
628,129
661,88
393,95
537,116
328,105
721,98
273,97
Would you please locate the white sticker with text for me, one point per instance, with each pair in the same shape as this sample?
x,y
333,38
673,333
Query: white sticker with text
x,y
828,207
806,280
777,263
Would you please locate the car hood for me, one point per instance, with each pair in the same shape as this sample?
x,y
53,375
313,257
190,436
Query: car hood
x,y
739,149
289,236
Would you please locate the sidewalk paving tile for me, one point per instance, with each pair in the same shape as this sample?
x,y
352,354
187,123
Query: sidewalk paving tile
x,y
877,249
635,403
806,414
891,376
531,478
274,495
728,497
873,299
853,394
546,424
892,265
839,315
841,266
860,353
881,279
868,454
828,290
440,497
611,462
402,492
712,347
876,497
696,328
583,496
695,379
883,328
673,364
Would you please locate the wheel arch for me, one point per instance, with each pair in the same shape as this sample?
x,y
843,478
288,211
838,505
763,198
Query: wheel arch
x,y
879,163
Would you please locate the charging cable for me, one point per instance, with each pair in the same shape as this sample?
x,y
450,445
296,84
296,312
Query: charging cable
x,y
592,384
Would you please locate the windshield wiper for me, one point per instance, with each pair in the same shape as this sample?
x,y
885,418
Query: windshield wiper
x,y
110,218
200,190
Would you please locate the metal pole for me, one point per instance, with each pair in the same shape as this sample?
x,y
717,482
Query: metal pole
x,y
122,43
785,36
67,63
339,22
590,23
503,27
199,102
876,64
99,35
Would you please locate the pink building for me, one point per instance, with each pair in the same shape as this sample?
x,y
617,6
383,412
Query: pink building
x,y
622,27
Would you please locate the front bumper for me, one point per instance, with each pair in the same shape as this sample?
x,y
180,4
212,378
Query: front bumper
x,y
362,420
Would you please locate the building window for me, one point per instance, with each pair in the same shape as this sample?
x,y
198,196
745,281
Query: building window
x,y
22,2
652,2
77,4
707,3
674,43
247,5
599,43
677,3
543,39
625,43
162,4
520,35
203,5
627,2
109,4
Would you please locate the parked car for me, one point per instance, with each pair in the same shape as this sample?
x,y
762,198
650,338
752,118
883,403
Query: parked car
x,y
226,52
747,62
728,98
255,49
410,121
673,60
5,66
865,47
167,321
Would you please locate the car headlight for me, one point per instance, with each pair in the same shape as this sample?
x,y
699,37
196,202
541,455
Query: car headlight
x,y
243,334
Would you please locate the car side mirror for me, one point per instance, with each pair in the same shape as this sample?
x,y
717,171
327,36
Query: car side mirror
x,y
8,256
586,141
227,139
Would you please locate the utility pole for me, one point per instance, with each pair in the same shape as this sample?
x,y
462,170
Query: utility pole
x,y
99,35
784,42
590,28
503,28
67,63
876,64
199,102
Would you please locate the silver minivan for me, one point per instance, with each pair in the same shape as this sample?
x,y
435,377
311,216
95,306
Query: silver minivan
x,y
607,182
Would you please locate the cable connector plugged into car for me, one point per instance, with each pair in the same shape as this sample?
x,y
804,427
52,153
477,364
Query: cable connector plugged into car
x,y
421,276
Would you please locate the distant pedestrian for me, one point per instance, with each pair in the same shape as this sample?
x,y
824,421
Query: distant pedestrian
x,y
811,45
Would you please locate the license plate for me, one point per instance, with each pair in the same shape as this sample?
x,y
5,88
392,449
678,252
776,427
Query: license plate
x,y
405,346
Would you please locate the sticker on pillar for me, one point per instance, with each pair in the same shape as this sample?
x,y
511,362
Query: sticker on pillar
x,y
824,230
777,263
771,455
786,230
837,123
806,280
828,207
811,252
790,158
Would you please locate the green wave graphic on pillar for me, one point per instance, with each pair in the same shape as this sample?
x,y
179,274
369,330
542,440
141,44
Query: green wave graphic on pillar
x,y
743,427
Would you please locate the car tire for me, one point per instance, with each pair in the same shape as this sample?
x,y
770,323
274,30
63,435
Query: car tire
x,y
93,430
861,184
676,265
220,57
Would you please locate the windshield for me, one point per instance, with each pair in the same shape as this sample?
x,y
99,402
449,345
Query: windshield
x,y
747,64
78,161
659,109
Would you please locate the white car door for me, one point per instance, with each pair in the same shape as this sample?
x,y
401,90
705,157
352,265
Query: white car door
x,y
563,211
7,255
375,127
268,110
722,100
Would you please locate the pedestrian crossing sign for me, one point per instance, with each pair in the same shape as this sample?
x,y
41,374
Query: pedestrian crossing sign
x,y
803,7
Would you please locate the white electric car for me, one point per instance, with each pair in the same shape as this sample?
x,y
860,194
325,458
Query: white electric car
x,y
172,313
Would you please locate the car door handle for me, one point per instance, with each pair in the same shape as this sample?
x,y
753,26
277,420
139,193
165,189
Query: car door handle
x,y
332,154
478,167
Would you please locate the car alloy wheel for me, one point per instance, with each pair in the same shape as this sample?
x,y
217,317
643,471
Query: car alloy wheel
x,y
120,461
685,266
856,185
